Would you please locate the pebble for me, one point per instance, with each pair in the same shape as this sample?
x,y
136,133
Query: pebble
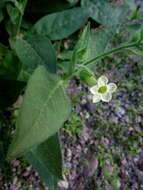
x,y
120,111
114,119
63,184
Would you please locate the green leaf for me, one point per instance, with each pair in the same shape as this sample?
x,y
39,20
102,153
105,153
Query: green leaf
x,y
43,172
10,28
13,13
65,55
104,13
44,110
61,24
34,51
80,51
48,155
81,48
99,41
24,73
135,32
133,28
64,66
131,3
87,76
63,60
12,24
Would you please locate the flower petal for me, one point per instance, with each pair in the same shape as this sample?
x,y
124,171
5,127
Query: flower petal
x,y
106,97
94,89
111,87
96,98
102,81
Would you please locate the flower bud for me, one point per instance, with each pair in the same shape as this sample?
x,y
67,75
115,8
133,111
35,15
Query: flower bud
x,y
88,77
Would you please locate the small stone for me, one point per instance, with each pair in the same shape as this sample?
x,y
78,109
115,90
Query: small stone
x,y
29,168
15,181
69,154
18,186
83,101
127,119
16,163
25,174
130,129
14,169
114,120
87,115
63,184
124,161
93,165
120,111
138,119
106,141
78,148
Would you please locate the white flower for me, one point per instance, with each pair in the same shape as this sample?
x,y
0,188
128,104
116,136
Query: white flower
x,y
103,90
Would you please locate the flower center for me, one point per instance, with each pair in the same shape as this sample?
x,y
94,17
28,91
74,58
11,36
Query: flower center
x,y
102,89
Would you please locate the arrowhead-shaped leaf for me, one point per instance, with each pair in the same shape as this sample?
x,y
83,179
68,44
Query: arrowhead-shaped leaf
x,y
44,110
61,24
79,54
49,153
99,41
104,13
80,50
47,161
43,171
34,51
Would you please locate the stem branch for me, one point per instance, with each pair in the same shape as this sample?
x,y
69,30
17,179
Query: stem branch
x,y
20,18
118,49
89,62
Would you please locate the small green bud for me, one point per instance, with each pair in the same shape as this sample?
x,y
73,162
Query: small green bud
x,y
91,81
88,77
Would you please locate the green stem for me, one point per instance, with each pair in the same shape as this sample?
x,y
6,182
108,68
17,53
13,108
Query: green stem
x,y
89,62
20,18
118,49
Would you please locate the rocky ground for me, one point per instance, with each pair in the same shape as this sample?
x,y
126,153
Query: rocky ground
x,y
107,152
102,143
